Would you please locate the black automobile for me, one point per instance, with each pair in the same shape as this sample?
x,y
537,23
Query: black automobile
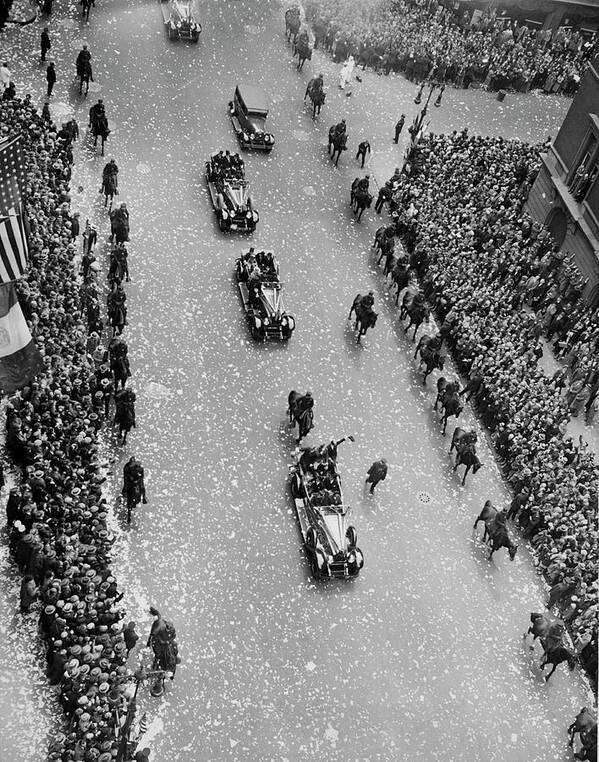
x,y
248,112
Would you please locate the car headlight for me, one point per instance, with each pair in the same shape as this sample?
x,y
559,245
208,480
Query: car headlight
x,y
248,215
255,216
225,214
245,136
252,136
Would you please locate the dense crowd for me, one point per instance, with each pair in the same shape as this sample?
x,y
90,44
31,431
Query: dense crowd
x,y
57,517
498,284
430,39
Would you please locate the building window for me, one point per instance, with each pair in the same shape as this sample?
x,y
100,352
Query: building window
x,y
583,187
584,167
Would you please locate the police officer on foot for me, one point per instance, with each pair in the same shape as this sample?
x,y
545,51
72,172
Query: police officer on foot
x,y
399,128
376,473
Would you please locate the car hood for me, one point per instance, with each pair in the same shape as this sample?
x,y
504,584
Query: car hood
x,y
237,192
258,123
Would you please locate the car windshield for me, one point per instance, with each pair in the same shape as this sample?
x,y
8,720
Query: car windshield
x,y
257,122
184,9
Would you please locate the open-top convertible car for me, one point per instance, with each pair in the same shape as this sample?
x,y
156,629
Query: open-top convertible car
x,y
180,19
248,111
330,540
230,193
260,289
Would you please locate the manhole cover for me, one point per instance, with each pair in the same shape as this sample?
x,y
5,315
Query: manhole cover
x,y
424,497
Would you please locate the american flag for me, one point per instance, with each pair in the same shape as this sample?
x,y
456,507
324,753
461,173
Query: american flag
x,y
12,173
13,243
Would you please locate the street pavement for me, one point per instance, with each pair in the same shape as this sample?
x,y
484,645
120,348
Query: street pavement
x,y
422,656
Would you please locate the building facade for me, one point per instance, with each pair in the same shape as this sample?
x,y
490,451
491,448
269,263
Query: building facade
x,y
565,195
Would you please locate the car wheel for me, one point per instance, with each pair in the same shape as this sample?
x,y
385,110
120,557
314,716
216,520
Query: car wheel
x,y
256,333
296,487
314,568
352,536
311,538
221,225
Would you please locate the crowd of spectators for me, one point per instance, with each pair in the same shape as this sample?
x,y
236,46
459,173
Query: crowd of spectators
x,y
57,517
430,39
498,284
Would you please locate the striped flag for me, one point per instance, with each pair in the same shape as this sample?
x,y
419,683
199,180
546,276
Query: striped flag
x,y
13,247
12,175
13,241
20,360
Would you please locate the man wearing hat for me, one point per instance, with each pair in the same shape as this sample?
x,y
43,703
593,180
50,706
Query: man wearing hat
x,y
376,473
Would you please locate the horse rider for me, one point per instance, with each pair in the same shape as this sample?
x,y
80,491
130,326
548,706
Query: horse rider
x,y
303,404
133,475
395,179
118,261
83,57
118,348
117,301
96,112
340,128
367,302
315,85
302,39
363,185
125,402
110,168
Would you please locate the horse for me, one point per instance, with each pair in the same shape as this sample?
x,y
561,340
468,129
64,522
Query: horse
x,y
119,226
360,199
414,306
317,96
465,447
303,418
429,348
338,143
556,656
495,533
401,277
121,370
548,628
449,399
117,316
586,725
99,128
85,75
303,51
109,188
134,492
125,412
369,57
292,23
365,318
118,268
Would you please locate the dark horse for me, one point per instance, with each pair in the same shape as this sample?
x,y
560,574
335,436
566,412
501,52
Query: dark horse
x,y
586,725
448,396
125,412
365,317
360,199
121,370
550,632
163,640
414,306
317,95
465,447
300,412
303,51
109,188
429,348
99,128
496,533
338,144
85,75
119,225
292,23
134,491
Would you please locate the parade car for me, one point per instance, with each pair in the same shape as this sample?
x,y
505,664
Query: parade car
x,y
260,290
180,19
230,192
330,540
248,111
